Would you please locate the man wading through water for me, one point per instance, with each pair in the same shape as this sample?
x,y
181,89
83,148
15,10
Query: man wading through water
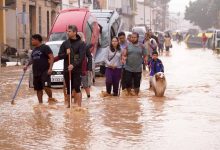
x,y
42,59
123,44
134,54
73,47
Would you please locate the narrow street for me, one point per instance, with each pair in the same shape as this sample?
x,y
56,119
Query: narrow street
x,y
187,118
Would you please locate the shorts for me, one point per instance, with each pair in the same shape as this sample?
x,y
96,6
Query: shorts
x,y
75,81
167,48
133,79
87,80
41,81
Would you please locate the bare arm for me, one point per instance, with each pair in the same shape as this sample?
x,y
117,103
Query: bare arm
x,y
51,60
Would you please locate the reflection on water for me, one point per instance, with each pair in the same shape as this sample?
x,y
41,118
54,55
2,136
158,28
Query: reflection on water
x,y
187,117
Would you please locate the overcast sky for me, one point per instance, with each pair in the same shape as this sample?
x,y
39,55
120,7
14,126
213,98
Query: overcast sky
x,y
178,5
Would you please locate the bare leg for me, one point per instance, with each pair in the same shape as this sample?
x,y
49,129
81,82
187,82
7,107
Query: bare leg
x,y
87,91
68,101
49,94
65,92
74,95
78,98
48,91
40,96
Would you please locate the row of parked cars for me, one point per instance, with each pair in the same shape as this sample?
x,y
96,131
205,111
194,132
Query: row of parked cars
x,y
193,39
98,27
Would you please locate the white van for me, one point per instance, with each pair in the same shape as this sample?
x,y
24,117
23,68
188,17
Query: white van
x,y
216,40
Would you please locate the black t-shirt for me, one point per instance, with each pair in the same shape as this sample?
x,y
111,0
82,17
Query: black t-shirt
x,y
40,59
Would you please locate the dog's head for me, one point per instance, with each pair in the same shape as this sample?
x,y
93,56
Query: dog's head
x,y
160,76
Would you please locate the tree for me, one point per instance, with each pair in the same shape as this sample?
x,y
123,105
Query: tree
x,y
203,13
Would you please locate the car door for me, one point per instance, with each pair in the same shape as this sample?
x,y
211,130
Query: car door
x,y
217,39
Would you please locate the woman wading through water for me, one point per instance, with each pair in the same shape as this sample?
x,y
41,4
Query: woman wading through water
x,y
113,68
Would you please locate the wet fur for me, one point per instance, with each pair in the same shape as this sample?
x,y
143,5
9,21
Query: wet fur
x,y
159,84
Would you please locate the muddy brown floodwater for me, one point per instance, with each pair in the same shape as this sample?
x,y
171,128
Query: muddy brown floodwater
x,y
187,118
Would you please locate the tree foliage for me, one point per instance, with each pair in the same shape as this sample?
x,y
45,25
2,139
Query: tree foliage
x,y
203,13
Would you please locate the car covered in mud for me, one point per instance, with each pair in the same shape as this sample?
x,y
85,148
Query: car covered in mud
x,y
111,24
85,22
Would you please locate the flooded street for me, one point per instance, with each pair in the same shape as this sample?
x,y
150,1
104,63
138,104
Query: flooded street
x,y
187,118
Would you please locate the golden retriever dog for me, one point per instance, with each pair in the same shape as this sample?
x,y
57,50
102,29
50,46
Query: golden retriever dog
x,y
159,84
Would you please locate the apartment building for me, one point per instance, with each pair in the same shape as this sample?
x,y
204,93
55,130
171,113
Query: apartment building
x,y
26,17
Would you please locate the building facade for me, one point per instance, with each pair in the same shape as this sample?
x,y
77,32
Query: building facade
x,y
126,9
27,17
152,14
2,26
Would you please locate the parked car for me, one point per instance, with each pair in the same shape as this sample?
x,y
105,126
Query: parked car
x,y
57,70
216,40
85,22
111,24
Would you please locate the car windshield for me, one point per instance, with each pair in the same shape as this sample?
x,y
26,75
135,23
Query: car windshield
x,y
105,38
102,14
55,48
58,36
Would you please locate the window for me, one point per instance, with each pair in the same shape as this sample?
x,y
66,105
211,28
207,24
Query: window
x,y
115,28
23,43
40,28
113,34
24,12
59,36
48,22
87,1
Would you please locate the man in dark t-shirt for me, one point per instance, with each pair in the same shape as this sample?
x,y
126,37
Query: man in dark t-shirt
x,y
42,62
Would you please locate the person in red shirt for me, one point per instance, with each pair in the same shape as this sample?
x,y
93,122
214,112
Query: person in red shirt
x,y
204,40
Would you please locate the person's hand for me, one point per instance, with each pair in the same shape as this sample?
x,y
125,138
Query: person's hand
x,y
123,60
25,68
89,72
68,51
70,67
49,72
113,66
145,61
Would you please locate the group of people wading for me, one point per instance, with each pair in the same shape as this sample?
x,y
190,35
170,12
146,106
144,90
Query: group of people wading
x,y
123,60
